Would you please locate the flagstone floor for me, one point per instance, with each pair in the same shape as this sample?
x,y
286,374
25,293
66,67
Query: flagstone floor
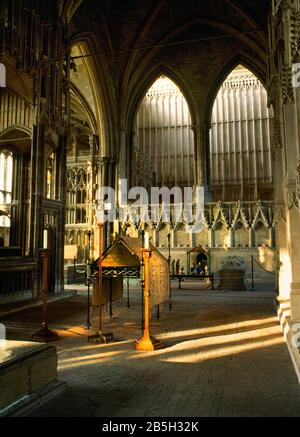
x,y
224,356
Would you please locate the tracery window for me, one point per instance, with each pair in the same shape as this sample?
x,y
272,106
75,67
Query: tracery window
x,y
164,153
77,185
51,177
240,140
6,170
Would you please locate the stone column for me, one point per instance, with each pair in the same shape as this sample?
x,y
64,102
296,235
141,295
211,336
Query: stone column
x,y
292,256
199,163
283,269
272,237
61,198
122,168
251,238
36,224
231,237
211,237
17,201
193,239
107,174
293,237
173,233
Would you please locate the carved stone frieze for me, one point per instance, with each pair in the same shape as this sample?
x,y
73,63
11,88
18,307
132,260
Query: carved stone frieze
x,y
290,189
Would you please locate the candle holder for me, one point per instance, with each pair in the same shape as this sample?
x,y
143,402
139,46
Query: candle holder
x,y
116,231
169,248
169,262
147,342
142,277
88,283
89,234
45,334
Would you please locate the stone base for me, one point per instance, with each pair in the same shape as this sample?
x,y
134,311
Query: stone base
x,y
26,369
285,322
232,280
44,335
29,403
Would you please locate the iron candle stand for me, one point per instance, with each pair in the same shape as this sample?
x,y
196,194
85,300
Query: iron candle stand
x,y
169,262
142,280
99,336
88,281
89,234
45,334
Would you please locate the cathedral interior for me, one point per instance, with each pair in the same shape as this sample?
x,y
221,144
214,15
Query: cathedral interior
x,y
159,93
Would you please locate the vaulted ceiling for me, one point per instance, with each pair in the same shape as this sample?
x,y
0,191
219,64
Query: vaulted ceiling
x,y
196,43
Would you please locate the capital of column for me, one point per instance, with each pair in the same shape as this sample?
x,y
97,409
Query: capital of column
x,y
277,135
105,160
94,143
199,129
291,187
298,181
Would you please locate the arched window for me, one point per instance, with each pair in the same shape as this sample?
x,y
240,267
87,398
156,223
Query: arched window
x,y
240,144
6,173
164,149
77,186
51,177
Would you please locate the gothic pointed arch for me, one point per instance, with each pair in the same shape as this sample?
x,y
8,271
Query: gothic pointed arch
x,y
68,8
163,148
146,83
240,123
100,99
222,74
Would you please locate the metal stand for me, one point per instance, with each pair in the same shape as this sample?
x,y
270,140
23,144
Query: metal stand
x,y
169,262
100,337
143,283
88,280
128,294
74,271
188,256
110,299
252,273
45,334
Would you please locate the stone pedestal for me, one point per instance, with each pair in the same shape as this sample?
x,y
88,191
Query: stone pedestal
x,y
233,280
28,374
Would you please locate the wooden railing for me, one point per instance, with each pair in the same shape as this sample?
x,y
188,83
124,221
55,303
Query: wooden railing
x,y
17,277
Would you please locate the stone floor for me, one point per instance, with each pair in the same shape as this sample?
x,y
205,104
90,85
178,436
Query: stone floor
x,y
225,356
